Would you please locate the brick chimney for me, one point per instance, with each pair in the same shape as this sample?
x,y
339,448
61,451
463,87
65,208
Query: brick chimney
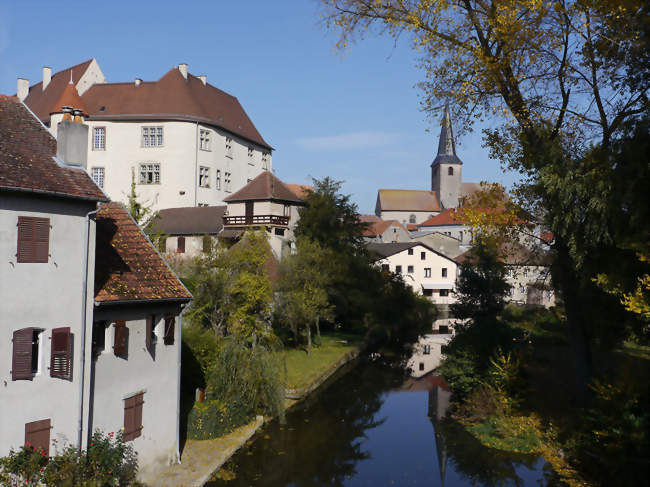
x,y
72,141
183,69
23,88
47,76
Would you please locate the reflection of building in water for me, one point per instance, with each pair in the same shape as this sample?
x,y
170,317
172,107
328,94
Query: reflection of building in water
x,y
427,353
439,397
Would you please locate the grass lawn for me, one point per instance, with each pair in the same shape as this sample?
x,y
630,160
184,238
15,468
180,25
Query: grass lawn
x,y
303,369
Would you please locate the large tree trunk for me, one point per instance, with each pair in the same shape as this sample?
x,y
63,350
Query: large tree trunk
x,y
308,339
570,287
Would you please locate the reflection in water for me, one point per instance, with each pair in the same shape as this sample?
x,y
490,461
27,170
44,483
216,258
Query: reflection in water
x,y
373,427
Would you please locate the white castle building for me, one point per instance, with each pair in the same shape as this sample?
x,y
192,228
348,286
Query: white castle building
x,y
184,141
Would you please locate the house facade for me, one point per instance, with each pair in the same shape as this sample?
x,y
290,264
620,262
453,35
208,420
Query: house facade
x,y
379,231
427,271
183,141
75,264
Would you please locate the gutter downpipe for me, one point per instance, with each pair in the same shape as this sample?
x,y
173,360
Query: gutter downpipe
x,y
84,294
196,164
178,399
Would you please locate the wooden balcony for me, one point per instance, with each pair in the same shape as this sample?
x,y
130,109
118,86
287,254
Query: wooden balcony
x,y
255,220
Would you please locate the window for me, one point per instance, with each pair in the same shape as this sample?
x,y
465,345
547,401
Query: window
x,y
152,136
279,231
180,245
427,349
265,161
33,239
444,293
427,272
227,181
421,365
229,147
121,339
423,255
286,211
409,269
99,138
410,251
218,178
250,156
450,171
444,272
204,139
204,177
37,435
525,271
97,173
385,267
25,354
460,234
398,269
412,219
150,173
522,290
99,337
61,353
427,292
133,416
150,332
170,325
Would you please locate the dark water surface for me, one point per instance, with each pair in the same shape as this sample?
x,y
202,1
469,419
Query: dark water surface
x,y
372,427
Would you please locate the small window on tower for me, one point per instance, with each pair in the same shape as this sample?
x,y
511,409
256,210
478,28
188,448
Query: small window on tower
x,y
450,171
412,219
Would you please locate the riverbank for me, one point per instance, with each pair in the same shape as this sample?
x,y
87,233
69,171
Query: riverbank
x,y
201,459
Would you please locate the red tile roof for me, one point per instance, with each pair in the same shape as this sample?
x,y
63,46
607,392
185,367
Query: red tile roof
x,y
408,200
379,227
27,162
300,190
127,267
369,218
43,102
446,217
172,97
264,187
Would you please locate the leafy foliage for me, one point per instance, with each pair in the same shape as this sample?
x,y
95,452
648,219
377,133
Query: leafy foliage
x,y
215,418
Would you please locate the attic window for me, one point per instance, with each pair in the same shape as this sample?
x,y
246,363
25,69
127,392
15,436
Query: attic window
x,y
102,108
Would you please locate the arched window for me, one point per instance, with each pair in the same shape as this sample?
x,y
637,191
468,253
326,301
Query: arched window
x,y
412,219
450,171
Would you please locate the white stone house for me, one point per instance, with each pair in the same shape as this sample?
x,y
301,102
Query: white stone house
x,y
90,329
427,271
383,230
186,142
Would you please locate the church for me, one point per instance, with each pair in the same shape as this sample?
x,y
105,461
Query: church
x,y
415,207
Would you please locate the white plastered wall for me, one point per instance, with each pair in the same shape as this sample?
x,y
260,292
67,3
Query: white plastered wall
x,y
404,216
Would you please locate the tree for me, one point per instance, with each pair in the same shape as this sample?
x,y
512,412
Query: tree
x,y
564,76
233,293
304,280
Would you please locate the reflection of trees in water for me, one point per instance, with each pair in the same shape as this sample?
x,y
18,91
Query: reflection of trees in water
x,y
479,464
320,445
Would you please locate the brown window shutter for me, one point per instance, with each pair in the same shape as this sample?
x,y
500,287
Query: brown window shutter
x,y
61,353
33,239
133,416
37,435
120,345
148,330
180,247
170,322
21,359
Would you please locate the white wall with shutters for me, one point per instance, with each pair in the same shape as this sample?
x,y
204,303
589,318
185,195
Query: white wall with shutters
x,y
154,372
44,296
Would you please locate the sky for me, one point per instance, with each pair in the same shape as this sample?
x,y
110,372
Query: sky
x,y
354,116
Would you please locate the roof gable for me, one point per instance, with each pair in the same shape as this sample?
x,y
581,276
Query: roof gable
x,y
127,266
27,158
265,186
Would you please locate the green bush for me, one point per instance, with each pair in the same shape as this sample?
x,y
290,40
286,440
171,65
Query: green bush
x,y
214,418
109,461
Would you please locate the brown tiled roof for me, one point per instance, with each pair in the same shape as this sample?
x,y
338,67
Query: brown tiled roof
x,y
408,200
127,267
379,227
300,190
198,220
446,217
43,102
264,187
69,98
27,162
172,97
368,218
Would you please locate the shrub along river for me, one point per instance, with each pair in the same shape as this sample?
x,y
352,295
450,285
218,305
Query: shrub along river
x,y
372,425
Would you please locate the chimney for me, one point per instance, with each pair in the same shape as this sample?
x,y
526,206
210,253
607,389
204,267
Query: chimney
x,y
23,88
47,76
183,69
204,79
67,113
78,115
138,82
72,142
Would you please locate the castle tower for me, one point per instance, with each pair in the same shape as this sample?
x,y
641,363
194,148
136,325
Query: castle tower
x,y
446,168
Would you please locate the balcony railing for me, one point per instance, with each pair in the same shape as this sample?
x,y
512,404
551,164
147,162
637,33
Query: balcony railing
x,y
232,221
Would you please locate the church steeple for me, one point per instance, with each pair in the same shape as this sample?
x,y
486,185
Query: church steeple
x,y
446,178
447,144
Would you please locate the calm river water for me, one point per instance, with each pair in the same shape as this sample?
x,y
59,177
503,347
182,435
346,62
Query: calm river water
x,y
373,426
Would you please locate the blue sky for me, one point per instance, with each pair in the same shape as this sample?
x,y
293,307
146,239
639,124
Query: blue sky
x,y
354,116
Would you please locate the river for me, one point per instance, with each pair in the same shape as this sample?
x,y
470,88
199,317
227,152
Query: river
x,y
375,426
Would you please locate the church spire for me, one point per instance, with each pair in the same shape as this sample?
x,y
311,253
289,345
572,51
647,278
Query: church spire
x,y
446,145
